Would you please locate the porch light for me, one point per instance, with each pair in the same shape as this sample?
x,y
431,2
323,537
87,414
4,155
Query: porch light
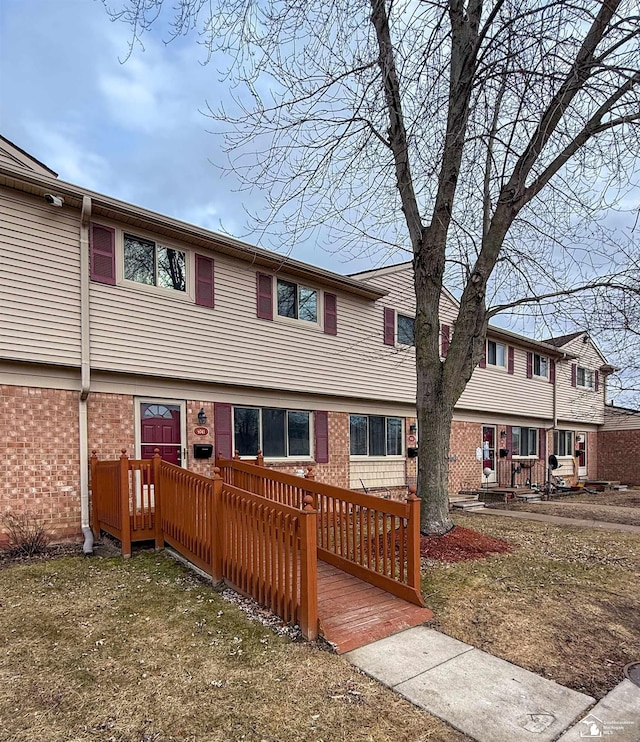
x,y
202,417
503,433
413,429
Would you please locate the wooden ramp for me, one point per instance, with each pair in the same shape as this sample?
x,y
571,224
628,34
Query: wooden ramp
x,y
353,613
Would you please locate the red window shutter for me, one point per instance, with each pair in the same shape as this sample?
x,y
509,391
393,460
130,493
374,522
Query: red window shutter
x,y
102,253
596,380
552,371
446,337
542,444
510,361
264,291
222,429
509,441
574,374
204,281
529,365
330,314
389,326
321,429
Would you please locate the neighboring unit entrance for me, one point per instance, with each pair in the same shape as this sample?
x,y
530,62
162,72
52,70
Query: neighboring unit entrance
x,y
489,453
160,428
581,453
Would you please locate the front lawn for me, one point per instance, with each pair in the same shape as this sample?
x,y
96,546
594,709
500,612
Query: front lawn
x,y
141,650
565,603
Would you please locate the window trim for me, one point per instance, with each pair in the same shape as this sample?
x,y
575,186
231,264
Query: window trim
x,y
188,295
520,456
379,457
318,323
287,410
540,358
397,328
586,373
505,354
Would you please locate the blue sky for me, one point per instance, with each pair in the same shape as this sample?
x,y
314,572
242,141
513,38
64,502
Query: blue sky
x,y
134,131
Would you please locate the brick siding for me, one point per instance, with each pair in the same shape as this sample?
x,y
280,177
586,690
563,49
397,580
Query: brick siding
x,y
41,455
619,456
465,471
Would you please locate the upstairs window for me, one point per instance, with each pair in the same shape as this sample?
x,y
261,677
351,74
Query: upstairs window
x,y
496,354
540,365
584,377
524,441
297,302
375,435
406,330
154,265
563,443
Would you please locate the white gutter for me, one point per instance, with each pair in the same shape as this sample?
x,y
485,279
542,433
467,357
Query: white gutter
x,y
85,375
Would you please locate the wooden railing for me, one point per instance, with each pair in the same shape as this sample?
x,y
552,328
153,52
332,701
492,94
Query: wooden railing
x,y
372,538
262,547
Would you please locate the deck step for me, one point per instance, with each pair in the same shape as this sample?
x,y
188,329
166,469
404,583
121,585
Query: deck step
x,y
468,505
529,497
620,487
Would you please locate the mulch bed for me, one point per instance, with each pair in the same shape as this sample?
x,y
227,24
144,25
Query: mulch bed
x,y
461,544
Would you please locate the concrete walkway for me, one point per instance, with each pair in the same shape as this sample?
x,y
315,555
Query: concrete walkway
x,y
556,519
487,698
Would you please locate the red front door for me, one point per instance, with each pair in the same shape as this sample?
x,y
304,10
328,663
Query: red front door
x,y
160,428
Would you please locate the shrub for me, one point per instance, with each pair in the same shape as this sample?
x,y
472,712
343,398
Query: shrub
x,y
25,533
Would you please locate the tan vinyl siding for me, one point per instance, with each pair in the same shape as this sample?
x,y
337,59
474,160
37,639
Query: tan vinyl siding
x,y
492,389
578,404
40,279
141,331
7,158
619,419
375,474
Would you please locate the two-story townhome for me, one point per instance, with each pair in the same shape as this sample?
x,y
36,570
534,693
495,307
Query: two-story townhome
x,y
124,328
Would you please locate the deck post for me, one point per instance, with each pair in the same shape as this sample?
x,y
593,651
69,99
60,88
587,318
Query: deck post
x,y
259,458
216,526
157,499
125,515
309,569
413,543
95,518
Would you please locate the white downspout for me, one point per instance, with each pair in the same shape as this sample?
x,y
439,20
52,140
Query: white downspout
x,y
85,375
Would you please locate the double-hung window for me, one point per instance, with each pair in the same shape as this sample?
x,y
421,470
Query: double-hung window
x,y
375,435
152,264
276,432
524,441
584,377
496,354
297,302
563,443
540,365
406,330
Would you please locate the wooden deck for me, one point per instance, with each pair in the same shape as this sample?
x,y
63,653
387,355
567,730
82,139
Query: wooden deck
x,y
353,613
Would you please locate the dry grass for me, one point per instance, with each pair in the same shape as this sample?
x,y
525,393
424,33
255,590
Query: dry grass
x,y
141,650
563,604
579,510
625,498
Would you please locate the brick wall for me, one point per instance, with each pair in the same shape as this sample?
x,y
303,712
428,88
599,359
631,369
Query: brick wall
x,y
110,424
465,471
619,456
41,459
199,466
592,455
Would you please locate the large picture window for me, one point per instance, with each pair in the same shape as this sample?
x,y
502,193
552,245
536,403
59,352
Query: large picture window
x,y
375,435
563,443
524,441
297,302
276,432
154,265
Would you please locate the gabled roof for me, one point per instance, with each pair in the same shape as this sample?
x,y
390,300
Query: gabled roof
x,y
10,152
563,339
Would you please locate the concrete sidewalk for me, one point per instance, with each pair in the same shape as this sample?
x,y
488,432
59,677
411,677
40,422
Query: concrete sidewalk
x,y
487,698
556,519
